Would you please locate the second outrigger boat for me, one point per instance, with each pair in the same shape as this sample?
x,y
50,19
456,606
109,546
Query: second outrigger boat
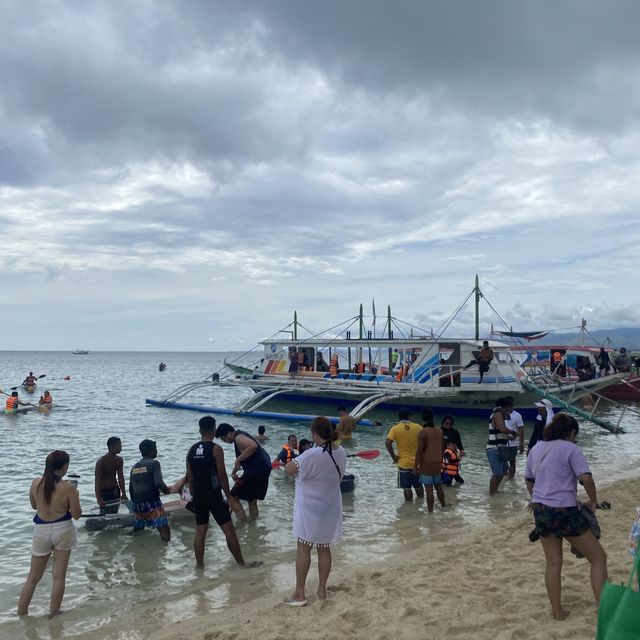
x,y
399,368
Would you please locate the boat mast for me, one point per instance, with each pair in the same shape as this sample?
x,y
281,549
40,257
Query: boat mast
x,y
478,296
295,325
360,332
389,335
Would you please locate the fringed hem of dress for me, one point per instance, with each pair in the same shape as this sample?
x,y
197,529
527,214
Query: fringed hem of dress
x,y
322,545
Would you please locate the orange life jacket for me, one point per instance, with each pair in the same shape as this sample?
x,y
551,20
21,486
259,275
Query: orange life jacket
x,y
557,357
450,462
46,399
333,366
12,402
291,453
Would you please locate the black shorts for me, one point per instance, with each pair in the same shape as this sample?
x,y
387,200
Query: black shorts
x,y
211,502
112,496
251,488
483,367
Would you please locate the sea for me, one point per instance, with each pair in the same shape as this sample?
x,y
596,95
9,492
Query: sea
x,y
117,582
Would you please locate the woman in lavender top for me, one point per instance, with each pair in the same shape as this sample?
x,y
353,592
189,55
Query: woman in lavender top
x,y
554,467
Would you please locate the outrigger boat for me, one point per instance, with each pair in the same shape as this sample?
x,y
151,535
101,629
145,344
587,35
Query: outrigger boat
x,y
571,363
397,369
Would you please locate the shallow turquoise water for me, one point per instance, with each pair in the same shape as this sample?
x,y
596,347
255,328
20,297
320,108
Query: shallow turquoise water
x,y
105,397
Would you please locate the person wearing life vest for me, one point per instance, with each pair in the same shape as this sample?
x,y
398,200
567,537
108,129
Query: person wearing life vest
x,y
403,373
13,402
289,450
451,465
30,380
46,398
333,366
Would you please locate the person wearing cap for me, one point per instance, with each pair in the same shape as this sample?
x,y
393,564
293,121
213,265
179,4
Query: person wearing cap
x,y
256,469
515,424
145,485
544,417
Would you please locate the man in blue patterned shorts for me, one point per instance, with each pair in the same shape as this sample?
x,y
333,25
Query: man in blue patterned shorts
x,y
145,484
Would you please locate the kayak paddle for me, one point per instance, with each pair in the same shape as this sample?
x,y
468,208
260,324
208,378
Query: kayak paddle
x,y
370,454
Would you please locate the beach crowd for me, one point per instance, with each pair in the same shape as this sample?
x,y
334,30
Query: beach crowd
x,y
427,458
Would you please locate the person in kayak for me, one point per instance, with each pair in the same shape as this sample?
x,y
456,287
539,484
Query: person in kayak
x,y
13,402
109,478
46,399
256,469
30,380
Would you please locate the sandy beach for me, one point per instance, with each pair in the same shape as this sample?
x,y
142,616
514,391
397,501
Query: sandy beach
x,y
488,583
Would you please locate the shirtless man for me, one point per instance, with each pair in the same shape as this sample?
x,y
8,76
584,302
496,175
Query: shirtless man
x,y
110,489
346,425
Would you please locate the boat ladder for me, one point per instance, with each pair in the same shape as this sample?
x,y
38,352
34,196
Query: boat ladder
x,y
567,405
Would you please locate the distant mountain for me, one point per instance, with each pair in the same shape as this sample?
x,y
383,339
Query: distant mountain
x,y
628,337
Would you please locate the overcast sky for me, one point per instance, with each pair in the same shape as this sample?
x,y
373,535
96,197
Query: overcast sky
x,y
184,175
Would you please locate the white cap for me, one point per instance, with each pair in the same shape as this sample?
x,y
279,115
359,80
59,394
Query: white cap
x,y
544,403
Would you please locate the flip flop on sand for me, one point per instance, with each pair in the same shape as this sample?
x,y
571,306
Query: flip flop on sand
x,y
295,603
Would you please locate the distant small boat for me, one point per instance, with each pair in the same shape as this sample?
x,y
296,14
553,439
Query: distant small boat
x,y
80,352
162,366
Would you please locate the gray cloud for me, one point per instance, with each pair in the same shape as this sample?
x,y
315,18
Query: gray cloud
x,y
182,166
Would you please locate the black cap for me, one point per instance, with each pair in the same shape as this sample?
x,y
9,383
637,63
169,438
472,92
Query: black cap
x,y
146,445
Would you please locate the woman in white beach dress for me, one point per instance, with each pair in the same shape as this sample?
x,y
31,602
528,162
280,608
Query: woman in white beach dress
x,y
317,512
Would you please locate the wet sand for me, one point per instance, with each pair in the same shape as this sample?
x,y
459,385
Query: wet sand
x,y
488,583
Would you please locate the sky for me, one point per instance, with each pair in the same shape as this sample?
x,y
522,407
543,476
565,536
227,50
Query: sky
x,y
184,175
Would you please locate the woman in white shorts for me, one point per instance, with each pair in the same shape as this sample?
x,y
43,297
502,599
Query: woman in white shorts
x,y
56,503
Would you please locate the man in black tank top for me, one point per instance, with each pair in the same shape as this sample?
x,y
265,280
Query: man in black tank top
x,y
207,478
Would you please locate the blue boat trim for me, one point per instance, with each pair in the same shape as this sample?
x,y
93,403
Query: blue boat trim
x,y
267,415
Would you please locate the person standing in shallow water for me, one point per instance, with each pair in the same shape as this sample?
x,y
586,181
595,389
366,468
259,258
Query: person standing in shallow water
x,y
56,502
553,468
428,462
405,434
317,512
256,469
109,481
207,479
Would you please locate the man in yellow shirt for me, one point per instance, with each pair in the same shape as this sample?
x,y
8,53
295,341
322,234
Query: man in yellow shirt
x,y
405,434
